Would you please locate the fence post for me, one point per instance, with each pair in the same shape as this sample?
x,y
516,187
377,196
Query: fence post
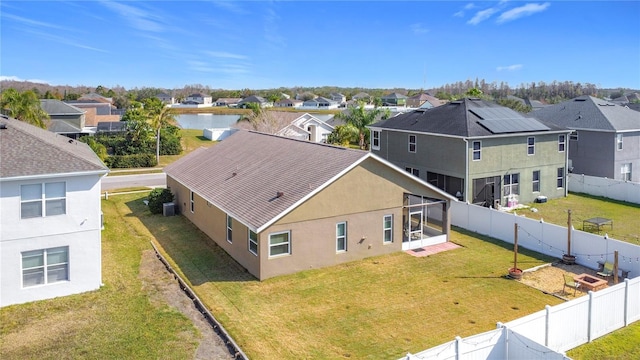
x,y
458,346
589,317
626,302
547,309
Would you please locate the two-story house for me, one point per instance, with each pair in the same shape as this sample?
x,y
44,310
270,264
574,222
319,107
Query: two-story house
x,y
394,99
605,141
65,119
479,151
50,218
199,98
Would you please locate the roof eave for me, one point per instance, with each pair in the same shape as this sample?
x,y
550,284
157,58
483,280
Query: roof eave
x,y
57,175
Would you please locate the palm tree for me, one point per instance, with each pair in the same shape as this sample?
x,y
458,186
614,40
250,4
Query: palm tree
x,y
24,106
359,118
159,119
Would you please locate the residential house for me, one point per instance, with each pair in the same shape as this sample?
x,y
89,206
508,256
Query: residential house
x,y
166,98
229,102
199,98
96,97
627,99
255,99
280,205
65,119
482,152
96,111
288,103
303,127
423,100
362,96
394,99
50,219
338,97
605,141
533,104
320,103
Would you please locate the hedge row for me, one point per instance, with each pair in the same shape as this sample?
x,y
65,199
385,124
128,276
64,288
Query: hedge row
x,y
130,161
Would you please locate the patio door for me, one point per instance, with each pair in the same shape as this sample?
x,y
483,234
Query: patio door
x,y
415,225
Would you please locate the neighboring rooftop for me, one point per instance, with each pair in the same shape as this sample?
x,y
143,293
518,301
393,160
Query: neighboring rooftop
x,y
26,150
57,107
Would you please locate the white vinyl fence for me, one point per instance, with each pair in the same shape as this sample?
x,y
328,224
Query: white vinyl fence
x,y
613,189
548,333
548,239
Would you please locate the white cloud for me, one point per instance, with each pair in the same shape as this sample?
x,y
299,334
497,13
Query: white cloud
x,y
514,67
226,55
419,29
460,13
522,11
65,40
271,31
15,78
231,6
137,18
30,21
482,15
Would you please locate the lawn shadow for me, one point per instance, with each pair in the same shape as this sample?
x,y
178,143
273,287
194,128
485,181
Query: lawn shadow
x,y
601,198
189,250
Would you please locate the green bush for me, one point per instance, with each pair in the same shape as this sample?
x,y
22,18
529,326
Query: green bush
x,y
157,197
131,161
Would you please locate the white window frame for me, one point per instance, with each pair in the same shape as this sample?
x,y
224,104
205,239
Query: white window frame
x,y
287,243
618,142
531,145
476,151
535,183
414,143
375,139
229,229
43,200
511,185
626,170
560,178
562,142
252,239
341,239
46,267
412,171
191,201
388,229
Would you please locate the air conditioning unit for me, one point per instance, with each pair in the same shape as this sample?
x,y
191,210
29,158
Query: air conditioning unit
x,y
168,209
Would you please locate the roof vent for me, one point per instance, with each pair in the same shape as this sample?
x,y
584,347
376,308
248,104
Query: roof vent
x,y
279,194
3,126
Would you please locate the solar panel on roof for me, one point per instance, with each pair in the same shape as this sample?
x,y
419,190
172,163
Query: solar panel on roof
x,y
505,120
501,113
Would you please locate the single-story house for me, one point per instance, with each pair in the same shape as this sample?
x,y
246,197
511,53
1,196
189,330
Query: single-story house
x,y
279,205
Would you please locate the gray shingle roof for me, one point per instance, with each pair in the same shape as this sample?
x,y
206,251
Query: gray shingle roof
x,y
26,150
57,107
456,118
588,112
263,166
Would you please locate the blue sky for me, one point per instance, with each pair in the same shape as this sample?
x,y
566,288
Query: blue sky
x,y
270,44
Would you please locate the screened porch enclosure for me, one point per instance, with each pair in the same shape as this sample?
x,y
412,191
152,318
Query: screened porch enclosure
x,y
423,221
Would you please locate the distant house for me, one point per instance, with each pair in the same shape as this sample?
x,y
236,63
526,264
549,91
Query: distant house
x,y
626,99
304,127
198,98
96,111
338,97
166,98
288,103
230,102
66,119
50,218
262,102
533,104
481,152
423,100
362,96
96,97
605,141
394,99
279,205
320,103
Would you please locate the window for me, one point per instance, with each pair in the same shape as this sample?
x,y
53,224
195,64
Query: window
x,y
412,143
280,243
413,171
531,145
253,242
561,142
37,200
511,184
229,228
341,236
477,150
45,266
573,136
375,140
387,229
619,141
560,178
192,203
625,170
536,181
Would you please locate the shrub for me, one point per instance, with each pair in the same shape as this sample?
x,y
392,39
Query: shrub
x,y
131,161
157,197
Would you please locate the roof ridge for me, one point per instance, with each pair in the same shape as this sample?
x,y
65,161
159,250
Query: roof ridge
x,y
306,141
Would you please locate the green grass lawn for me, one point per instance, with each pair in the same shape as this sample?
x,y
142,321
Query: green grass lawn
x,y
583,206
623,344
377,308
118,321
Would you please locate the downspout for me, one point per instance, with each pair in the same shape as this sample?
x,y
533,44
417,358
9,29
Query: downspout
x,y
566,167
466,170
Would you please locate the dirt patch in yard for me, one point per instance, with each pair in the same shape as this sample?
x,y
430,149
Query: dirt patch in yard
x,y
164,289
550,279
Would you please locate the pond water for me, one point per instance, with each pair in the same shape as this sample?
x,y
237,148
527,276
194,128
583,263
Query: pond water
x,y
205,121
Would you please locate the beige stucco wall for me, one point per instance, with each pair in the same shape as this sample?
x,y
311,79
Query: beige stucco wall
x,y
362,198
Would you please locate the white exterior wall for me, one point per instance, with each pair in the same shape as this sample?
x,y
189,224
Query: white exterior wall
x,y
79,229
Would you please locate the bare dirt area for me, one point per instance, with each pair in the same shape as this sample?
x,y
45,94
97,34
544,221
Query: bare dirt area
x,y
550,279
164,289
